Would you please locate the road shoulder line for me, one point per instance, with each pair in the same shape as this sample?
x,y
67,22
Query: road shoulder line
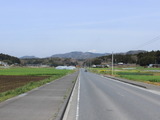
x,y
78,99
72,109
136,83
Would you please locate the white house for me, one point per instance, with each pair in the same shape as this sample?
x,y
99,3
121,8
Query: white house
x,y
3,63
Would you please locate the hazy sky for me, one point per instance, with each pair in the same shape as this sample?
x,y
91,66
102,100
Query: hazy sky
x,y
46,27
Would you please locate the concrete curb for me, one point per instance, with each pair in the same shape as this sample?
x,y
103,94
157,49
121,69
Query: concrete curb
x,y
65,103
126,81
71,110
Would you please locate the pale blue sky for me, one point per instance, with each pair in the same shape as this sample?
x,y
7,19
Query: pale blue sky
x,y
46,27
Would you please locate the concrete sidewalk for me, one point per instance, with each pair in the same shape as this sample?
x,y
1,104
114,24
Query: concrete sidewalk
x,y
42,103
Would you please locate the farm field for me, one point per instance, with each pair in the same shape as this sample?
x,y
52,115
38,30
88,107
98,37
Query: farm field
x,y
31,71
15,81
147,75
10,82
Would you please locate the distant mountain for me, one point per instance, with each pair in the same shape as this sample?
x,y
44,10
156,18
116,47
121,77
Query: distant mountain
x,y
79,55
135,52
28,57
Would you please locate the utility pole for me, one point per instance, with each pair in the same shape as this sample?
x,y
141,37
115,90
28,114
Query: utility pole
x,y
112,63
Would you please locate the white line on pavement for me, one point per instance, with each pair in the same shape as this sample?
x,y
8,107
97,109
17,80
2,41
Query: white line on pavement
x,y
70,103
78,98
151,91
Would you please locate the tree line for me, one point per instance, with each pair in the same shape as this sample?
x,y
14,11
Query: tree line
x,y
38,61
147,58
142,59
9,59
49,61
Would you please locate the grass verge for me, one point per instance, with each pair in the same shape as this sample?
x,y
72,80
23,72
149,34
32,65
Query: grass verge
x,y
136,74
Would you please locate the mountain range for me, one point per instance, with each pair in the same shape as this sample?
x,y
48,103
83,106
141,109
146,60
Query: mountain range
x,y
135,52
79,55
83,55
28,57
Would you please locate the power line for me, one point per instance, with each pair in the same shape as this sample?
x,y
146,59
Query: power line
x,y
148,42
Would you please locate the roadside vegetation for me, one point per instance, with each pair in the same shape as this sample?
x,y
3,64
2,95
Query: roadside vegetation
x,y
9,59
17,80
143,58
147,75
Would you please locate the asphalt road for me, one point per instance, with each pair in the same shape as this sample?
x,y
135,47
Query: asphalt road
x,y
106,99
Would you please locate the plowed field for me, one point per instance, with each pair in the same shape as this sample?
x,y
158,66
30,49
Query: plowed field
x,y
9,82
